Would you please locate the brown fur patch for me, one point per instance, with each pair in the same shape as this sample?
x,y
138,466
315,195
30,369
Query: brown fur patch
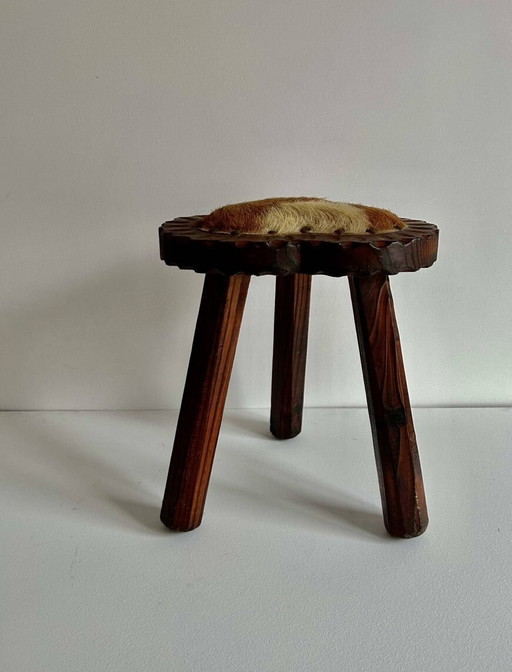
x,y
382,220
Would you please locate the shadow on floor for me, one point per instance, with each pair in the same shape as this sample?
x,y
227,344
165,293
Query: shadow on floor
x,y
108,469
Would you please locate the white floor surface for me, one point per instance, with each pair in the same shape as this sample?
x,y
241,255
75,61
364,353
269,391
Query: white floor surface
x,y
291,569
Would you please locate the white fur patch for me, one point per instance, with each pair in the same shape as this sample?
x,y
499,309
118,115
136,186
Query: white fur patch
x,y
319,216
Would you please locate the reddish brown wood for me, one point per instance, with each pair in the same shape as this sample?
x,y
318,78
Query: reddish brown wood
x,y
289,363
183,244
403,497
211,360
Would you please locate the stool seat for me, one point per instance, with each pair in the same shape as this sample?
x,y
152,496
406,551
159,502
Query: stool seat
x,y
185,244
241,241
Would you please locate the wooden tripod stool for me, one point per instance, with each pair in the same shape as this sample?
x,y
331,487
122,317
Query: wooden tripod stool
x,y
228,262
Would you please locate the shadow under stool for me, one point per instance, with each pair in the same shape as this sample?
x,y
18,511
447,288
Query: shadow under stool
x,y
228,263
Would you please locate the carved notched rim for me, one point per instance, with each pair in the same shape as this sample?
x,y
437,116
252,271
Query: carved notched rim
x,y
183,231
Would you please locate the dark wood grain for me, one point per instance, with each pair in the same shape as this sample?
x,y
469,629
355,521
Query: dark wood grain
x,y
184,245
396,452
211,361
289,361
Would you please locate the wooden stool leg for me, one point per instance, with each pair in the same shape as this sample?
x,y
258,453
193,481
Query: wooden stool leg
x,y
401,485
211,361
289,361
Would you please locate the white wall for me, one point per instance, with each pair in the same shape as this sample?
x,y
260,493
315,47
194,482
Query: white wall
x,y
118,115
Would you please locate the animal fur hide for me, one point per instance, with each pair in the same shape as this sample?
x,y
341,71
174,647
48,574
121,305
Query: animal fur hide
x,y
285,216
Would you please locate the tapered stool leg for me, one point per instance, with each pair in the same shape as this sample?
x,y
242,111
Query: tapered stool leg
x,y
289,360
401,485
211,361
